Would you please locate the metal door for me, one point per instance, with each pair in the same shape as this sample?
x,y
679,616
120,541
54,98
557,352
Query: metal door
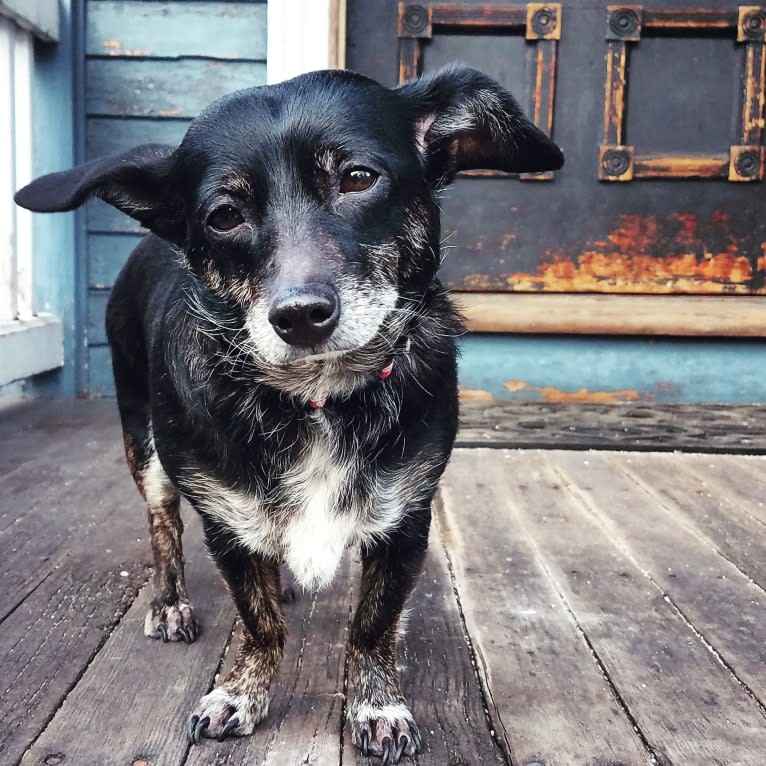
x,y
659,111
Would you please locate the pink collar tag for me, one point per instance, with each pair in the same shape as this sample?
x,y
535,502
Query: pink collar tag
x,y
387,370
317,404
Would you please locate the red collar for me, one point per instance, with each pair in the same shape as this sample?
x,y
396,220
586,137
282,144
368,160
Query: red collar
x,y
317,404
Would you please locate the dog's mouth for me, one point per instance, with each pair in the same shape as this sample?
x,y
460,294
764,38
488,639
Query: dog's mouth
x,y
308,355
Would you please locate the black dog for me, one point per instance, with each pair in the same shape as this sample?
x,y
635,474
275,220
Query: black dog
x,y
284,354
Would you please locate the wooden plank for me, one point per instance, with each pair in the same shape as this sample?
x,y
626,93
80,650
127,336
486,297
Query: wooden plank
x,y
307,698
147,88
96,330
173,29
109,135
548,699
731,528
104,219
733,481
410,59
438,674
464,15
100,378
690,708
753,83
688,18
106,255
598,370
670,427
694,316
720,602
31,429
40,494
681,166
115,723
616,58
49,639
544,90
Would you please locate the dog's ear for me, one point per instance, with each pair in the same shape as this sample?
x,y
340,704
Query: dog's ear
x,y
135,182
466,121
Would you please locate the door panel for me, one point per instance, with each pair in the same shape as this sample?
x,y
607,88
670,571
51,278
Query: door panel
x,y
676,95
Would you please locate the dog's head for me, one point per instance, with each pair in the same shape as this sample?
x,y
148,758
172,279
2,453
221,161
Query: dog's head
x,y
307,208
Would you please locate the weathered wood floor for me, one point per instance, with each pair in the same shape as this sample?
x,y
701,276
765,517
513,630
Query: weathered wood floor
x,y
578,608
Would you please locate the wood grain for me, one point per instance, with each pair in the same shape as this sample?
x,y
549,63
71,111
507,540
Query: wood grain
x,y
681,166
151,88
99,557
173,29
438,675
721,602
109,135
134,699
306,711
549,700
694,316
690,709
106,255
736,482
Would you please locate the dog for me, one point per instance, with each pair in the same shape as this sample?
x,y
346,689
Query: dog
x,y
284,354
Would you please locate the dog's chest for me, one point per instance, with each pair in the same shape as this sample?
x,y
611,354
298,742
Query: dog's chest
x,y
321,505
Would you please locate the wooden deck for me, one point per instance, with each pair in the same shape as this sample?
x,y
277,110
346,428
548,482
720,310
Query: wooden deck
x,y
578,608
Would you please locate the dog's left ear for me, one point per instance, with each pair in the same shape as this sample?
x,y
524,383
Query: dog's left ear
x,y
464,120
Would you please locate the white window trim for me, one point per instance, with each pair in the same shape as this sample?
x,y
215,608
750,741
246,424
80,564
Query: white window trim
x,y
31,346
303,36
29,343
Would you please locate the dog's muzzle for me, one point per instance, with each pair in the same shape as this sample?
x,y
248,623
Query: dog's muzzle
x,y
306,315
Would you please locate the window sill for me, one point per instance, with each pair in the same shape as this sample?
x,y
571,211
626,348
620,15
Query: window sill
x,y
41,17
30,346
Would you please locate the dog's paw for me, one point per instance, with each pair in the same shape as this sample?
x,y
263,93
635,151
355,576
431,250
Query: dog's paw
x,y
388,731
172,622
223,713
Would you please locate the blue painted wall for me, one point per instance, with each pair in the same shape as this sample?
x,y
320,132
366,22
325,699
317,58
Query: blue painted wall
x,y
149,69
614,369
123,51
54,109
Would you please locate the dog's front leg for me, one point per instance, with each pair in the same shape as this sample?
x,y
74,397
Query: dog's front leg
x,y
381,722
242,700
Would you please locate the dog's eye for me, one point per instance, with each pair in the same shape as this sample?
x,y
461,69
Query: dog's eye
x,y
357,180
225,218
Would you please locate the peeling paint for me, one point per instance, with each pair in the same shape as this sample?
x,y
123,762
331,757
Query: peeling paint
x,y
475,395
583,395
478,282
674,254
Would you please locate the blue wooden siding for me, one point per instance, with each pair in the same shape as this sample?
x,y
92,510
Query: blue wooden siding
x,y
149,68
613,369
54,104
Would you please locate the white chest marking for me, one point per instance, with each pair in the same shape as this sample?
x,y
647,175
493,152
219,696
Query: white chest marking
x,y
317,516
310,529
320,528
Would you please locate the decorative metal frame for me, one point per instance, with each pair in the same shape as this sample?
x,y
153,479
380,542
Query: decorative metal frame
x,y
538,22
741,162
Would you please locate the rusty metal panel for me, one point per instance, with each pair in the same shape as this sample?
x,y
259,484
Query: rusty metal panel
x,y
685,215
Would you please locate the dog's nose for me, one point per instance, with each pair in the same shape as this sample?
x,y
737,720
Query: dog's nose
x,y
305,316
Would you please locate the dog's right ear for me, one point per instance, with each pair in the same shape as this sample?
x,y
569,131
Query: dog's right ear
x,y
464,120
135,182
